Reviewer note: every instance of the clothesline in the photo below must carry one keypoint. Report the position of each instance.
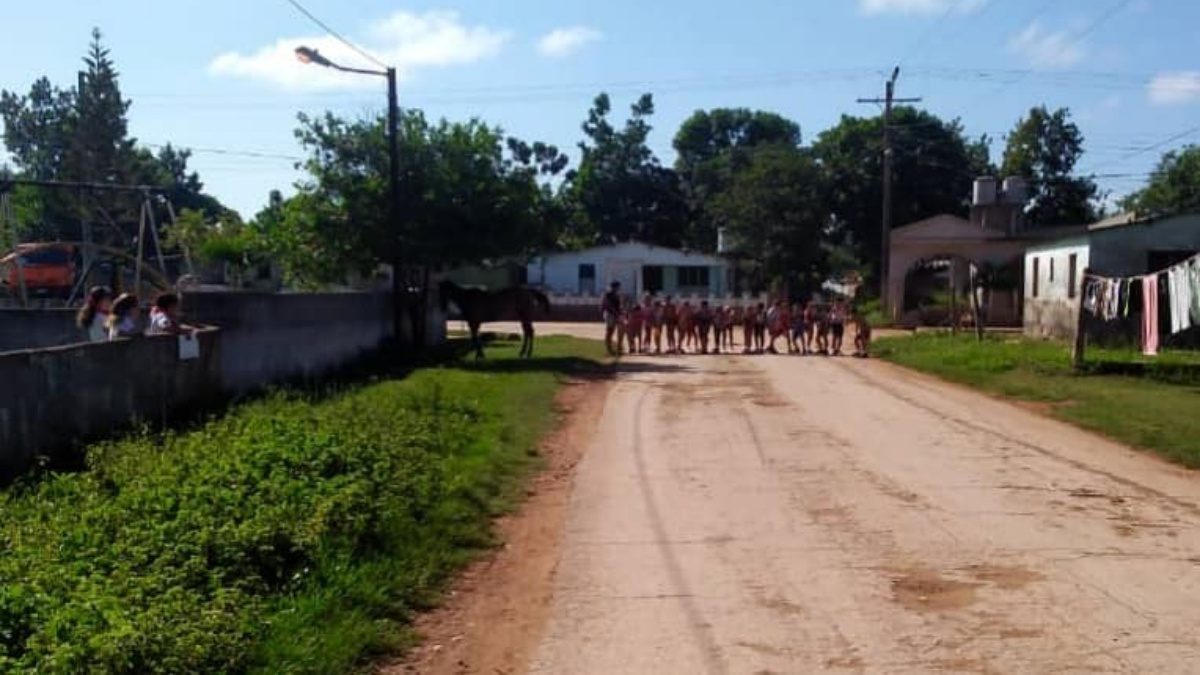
(1111, 298)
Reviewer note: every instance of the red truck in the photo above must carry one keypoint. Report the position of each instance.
(47, 269)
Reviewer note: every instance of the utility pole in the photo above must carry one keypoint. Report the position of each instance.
(888, 101)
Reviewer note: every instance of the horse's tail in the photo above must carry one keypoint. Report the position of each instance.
(541, 299)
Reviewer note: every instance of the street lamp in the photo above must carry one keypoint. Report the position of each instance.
(311, 56)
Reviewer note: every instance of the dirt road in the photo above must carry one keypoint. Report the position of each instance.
(787, 515)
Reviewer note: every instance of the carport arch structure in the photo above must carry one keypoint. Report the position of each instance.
(946, 237)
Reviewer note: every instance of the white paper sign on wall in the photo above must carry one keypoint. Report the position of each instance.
(189, 348)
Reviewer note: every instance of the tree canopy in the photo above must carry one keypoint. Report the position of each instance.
(469, 194)
(1174, 186)
(933, 167)
(712, 147)
(1044, 148)
(620, 190)
(774, 208)
(81, 134)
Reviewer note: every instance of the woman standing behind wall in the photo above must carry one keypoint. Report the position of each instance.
(123, 322)
(93, 316)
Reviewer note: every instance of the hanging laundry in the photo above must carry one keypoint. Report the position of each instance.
(1182, 294)
(1193, 271)
(1150, 315)
(1126, 297)
(1178, 302)
(1173, 305)
(1113, 305)
(1091, 295)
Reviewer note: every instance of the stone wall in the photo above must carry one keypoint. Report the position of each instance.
(56, 398)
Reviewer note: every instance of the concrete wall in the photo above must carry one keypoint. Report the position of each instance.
(56, 398)
(1125, 251)
(37, 328)
(269, 337)
(1052, 312)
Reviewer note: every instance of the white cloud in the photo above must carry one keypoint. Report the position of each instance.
(563, 42)
(1175, 88)
(1044, 48)
(410, 42)
(874, 7)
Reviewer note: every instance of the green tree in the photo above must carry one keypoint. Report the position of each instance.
(933, 164)
(712, 146)
(775, 209)
(621, 191)
(1174, 186)
(81, 134)
(1044, 148)
(468, 194)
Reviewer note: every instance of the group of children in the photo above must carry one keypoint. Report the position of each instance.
(104, 317)
(660, 326)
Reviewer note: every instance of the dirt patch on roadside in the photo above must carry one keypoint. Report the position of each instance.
(494, 614)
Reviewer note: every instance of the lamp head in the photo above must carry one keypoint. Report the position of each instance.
(310, 55)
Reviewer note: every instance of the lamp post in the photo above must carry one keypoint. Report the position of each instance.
(312, 56)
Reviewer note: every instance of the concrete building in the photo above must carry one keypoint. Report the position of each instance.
(641, 268)
(994, 237)
(1121, 246)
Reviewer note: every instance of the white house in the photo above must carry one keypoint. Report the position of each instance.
(1121, 246)
(641, 268)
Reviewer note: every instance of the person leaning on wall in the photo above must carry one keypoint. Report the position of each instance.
(123, 320)
(164, 317)
(93, 316)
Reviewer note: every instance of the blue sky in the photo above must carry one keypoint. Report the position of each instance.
(218, 75)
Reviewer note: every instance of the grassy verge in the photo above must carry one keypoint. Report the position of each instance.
(1146, 403)
(292, 535)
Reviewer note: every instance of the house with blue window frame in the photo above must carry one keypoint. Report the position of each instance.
(640, 268)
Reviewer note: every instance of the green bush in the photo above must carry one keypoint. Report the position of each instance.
(282, 537)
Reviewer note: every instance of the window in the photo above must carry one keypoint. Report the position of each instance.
(587, 279)
(693, 277)
(1072, 276)
(46, 256)
(652, 278)
(1037, 268)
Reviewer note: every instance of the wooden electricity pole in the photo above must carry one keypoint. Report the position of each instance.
(889, 99)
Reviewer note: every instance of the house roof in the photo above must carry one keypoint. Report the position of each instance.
(944, 227)
(1118, 220)
(641, 248)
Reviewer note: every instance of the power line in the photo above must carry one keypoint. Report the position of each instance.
(231, 153)
(1154, 146)
(336, 35)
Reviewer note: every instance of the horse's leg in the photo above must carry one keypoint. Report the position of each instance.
(474, 325)
(527, 329)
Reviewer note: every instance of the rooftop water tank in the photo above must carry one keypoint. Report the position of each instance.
(1016, 191)
(985, 191)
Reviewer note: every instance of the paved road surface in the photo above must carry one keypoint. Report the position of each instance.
(787, 515)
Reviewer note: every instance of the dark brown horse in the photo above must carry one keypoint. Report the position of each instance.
(480, 307)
